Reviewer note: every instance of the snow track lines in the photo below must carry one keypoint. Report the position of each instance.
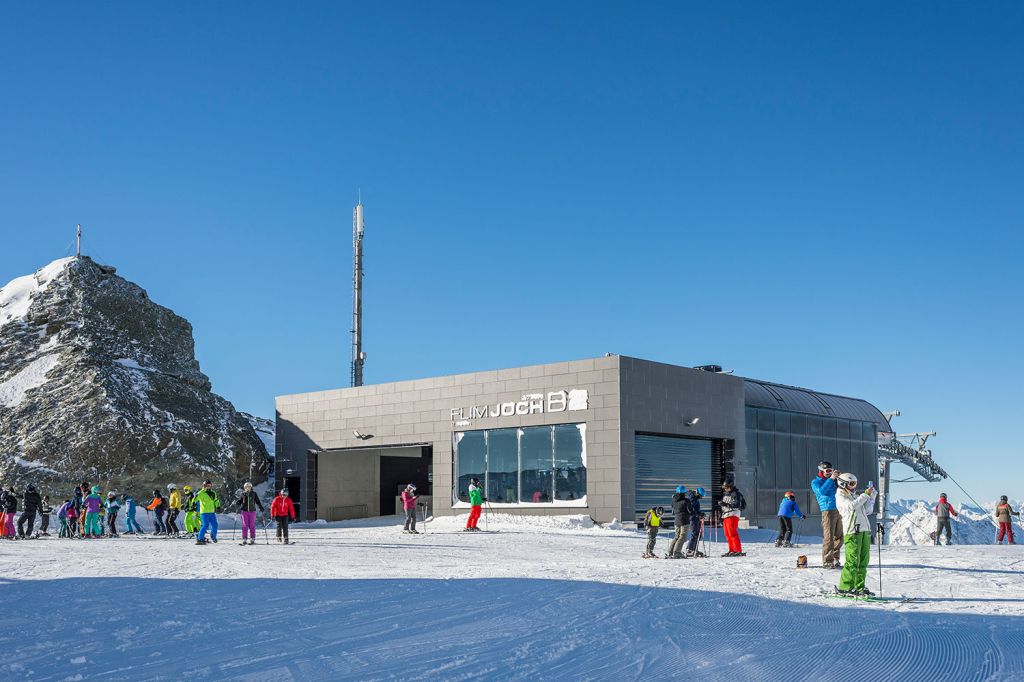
(492, 628)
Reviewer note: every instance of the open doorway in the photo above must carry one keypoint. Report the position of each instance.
(398, 472)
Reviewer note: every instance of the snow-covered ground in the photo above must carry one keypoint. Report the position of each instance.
(549, 598)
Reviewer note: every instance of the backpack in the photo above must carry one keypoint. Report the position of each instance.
(163, 504)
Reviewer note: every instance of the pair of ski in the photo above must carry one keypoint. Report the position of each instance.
(871, 598)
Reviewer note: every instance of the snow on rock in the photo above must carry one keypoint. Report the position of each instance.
(914, 522)
(32, 375)
(98, 382)
(17, 295)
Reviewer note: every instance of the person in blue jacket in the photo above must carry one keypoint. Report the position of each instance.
(131, 526)
(824, 487)
(787, 510)
(696, 521)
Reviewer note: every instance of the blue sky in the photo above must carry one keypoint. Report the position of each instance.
(828, 197)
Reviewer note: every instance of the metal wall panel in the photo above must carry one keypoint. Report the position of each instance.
(664, 462)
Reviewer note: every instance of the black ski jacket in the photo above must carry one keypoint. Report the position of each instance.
(10, 503)
(249, 501)
(681, 509)
(33, 500)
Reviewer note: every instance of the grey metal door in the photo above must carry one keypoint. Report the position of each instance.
(664, 462)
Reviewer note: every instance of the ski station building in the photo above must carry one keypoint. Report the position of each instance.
(609, 437)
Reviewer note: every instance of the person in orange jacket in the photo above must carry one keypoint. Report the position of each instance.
(282, 510)
(158, 506)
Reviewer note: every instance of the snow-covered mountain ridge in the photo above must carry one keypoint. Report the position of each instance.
(914, 521)
(98, 382)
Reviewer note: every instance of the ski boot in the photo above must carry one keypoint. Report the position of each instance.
(201, 541)
(787, 544)
(864, 592)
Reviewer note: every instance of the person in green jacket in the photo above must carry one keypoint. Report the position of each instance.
(208, 504)
(188, 503)
(476, 500)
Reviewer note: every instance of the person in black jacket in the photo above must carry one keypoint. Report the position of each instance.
(247, 503)
(44, 516)
(28, 518)
(696, 522)
(681, 520)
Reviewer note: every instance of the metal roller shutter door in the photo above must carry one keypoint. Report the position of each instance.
(663, 462)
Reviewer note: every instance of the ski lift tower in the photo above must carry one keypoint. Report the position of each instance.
(358, 356)
(908, 449)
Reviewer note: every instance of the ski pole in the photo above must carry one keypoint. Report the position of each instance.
(234, 525)
(263, 518)
(423, 508)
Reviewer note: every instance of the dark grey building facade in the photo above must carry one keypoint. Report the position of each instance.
(609, 437)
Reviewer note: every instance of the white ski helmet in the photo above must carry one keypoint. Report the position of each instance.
(247, 486)
(171, 486)
(848, 480)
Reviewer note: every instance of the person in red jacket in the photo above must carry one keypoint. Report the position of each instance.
(942, 511)
(409, 498)
(282, 510)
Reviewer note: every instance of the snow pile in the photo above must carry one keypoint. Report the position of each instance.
(16, 296)
(914, 521)
(33, 375)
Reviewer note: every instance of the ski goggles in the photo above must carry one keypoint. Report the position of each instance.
(827, 472)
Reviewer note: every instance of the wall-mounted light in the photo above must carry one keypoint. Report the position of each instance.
(361, 436)
(692, 421)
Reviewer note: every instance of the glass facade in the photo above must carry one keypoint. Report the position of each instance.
(534, 464)
(787, 446)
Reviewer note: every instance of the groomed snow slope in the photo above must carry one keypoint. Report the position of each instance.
(541, 599)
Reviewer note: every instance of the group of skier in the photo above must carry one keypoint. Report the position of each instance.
(88, 514)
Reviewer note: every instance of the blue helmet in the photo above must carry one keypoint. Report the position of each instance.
(700, 492)
(681, 489)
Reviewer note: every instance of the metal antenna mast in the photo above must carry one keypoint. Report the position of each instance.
(358, 356)
(79, 240)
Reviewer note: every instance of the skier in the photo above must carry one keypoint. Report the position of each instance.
(76, 500)
(112, 506)
(681, 520)
(942, 511)
(81, 509)
(854, 510)
(28, 517)
(247, 505)
(409, 498)
(44, 516)
(1003, 513)
(476, 502)
(173, 509)
(652, 522)
(191, 515)
(208, 504)
(282, 510)
(158, 506)
(731, 504)
(131, 526)
(10, 508)
(824, 487)
(696, 522)
(3, 513)
(64, 515)
(788, 508)
(92, 505)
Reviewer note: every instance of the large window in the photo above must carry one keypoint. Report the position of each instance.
(530, 465)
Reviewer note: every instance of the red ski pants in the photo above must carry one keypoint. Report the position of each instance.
(730, 524)
(474, 516)
(1005, 529)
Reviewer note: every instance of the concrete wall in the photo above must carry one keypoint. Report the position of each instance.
(659, 398)
(419, 412)
(348, 478)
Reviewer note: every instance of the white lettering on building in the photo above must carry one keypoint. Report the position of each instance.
(533, 403)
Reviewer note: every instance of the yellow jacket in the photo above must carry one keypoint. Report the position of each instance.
(175, 501)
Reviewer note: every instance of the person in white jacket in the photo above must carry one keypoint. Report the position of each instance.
(854, 510)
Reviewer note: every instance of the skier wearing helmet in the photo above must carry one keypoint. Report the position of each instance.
(158, 506)
(854, 509)
(824, 488)
(173, 509)
(191, 515)
(652, 522)
(1003, 514)
(731, 504)
(681, 520)
(409, 498)
(476, 502)
(696, 522)
(93, 503)
(788, 508)
(112, 507)
(942, 511)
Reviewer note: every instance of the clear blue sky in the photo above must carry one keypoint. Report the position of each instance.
(831, 197)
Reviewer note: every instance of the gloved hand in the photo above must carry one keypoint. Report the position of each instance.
(803, 516)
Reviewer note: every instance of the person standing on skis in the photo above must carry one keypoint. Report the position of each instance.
(787, 510)
(476, 501)
(44, 516)
(28, 517)
(93, 503)
(208, 504)
(131, 526)
(681, 521)
(64, 515)
(652, 523)
(282, 510)
(942, 512)
(247, 503)
(1003, 514)
(409, 498)
(10, 506)
(824, 488)
(731, 504)
(696, 522)
(188, 503)
(112, 507)
(158, 506)
(173, 509)
(854, 509)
